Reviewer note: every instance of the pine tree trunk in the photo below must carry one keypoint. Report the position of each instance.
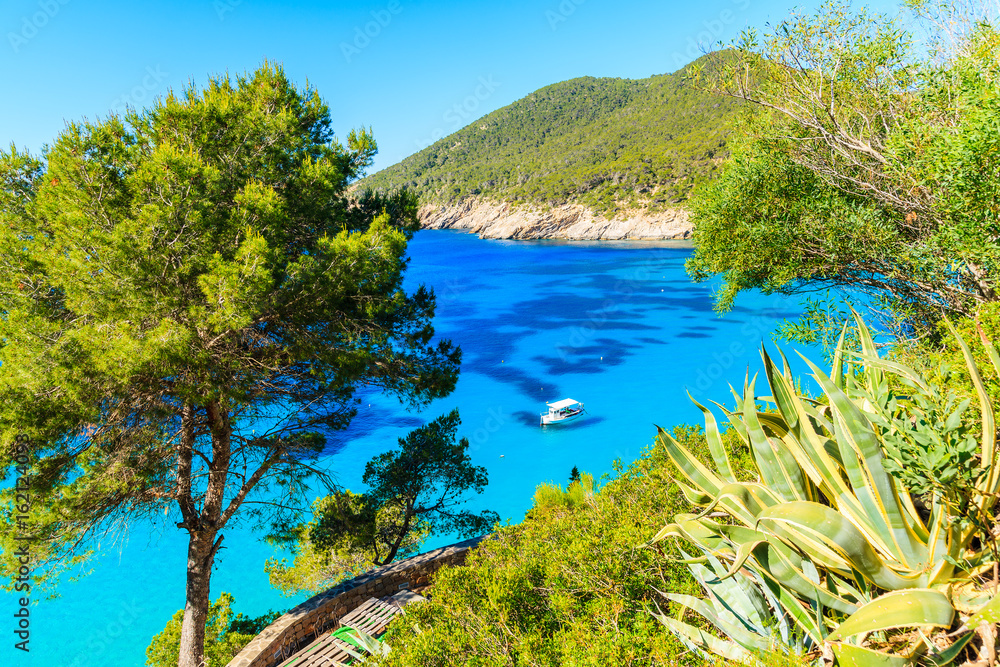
(199, 570)
(202, 544)
(403, 532)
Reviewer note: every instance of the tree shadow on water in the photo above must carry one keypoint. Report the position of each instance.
(587, 359)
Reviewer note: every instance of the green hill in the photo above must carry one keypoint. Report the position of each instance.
(605, 143)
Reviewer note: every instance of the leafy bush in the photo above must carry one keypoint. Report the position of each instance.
(570, 585)
(552, 497)
(225, 635)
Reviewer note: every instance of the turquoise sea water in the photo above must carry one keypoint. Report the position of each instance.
(618, 326)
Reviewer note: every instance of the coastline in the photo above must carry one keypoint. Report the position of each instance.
(570, 222)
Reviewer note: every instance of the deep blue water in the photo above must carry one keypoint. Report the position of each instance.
(618, 326)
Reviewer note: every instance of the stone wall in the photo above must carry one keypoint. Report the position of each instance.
(301, 625)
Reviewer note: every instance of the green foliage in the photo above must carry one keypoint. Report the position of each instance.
(605, 143)
(865, 164)
(225, 635)
(943, 355)
(173, 277)
(427, 477)
(821, 324)
(552, 497)
(567, 586)
(352, 550)
(938, 456)
(871, 512)
(414, 491)
(252, 625)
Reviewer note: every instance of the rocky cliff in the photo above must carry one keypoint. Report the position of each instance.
(495, 220)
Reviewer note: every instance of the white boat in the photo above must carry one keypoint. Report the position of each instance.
(562, 411)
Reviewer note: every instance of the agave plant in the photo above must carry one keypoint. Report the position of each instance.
(741, 606)
(862, 566)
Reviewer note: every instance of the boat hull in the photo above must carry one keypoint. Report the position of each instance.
(548, 420)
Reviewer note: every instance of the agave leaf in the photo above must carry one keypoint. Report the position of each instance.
(698, 531)
(773, 559)
(803, 442)
(775, 423)
(743, 553)
(777, 611)
(697, 474)
(369, 644)
(799, 614)
(777, 469)
(849, 655)
(715, 445)
(744, 501)
(990, 486)
(741, 600)
(837, 367)
(898, 609)
(736, 422)
(701, 642)
(989, 613)
(846, 531)
(728, 626)
(693, 495)
(945, 539)
(782, 390)
(847, 588)
(873, 486)
(875, 361)
(875, 376)
(828, 538)
(783, 567)
(950, 654)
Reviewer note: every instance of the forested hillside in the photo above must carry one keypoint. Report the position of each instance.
(605, 143)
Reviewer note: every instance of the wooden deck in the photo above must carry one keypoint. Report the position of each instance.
(372, 618)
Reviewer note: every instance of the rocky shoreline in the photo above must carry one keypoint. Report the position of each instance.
(498, 220)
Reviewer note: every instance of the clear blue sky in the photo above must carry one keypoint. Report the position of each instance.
(414, 70)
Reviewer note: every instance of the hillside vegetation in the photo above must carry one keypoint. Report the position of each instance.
(605, 143)
(570, 585)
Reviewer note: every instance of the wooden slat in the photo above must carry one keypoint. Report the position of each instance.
(325, 651)
(372, 618)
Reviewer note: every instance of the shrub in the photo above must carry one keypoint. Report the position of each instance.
(225, 635)
(570, 585)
